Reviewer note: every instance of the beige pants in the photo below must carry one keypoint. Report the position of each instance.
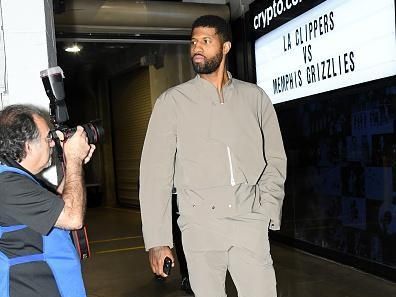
(251, 271)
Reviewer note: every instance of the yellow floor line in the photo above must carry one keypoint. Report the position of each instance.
(115, 239)
(121, 250)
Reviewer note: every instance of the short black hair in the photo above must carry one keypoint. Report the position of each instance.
(17, 126)
(213, 21)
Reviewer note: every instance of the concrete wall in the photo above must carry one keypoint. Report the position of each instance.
(29, 47)
(29, 43)
(176, 68)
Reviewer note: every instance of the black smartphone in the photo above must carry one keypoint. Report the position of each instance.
(167, 265)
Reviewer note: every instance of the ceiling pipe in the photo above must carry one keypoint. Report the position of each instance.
(130, 17)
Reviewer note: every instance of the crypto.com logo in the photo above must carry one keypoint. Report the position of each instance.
(262, 19)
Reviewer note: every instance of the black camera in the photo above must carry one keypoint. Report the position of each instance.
(53, 84)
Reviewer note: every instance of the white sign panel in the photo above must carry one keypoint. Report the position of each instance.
(2, 56)
(336, 44)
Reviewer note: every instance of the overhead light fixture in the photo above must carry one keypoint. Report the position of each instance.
(73, 49)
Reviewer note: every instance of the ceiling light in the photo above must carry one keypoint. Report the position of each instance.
(73, 49)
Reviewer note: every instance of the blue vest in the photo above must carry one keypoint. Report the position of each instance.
(58, 252)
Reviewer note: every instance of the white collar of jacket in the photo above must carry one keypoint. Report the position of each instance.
(229, 83)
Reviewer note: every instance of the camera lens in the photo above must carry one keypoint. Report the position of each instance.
(94, 131)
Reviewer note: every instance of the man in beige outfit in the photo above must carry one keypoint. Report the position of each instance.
(217, 140)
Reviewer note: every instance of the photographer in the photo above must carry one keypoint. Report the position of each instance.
(37, 256)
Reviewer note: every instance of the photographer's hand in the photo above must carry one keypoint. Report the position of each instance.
(76, 148)
(61, 137)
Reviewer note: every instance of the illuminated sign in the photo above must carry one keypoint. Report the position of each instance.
(263, 18)
(334, 45)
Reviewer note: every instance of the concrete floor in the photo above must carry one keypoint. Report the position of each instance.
(119, 266)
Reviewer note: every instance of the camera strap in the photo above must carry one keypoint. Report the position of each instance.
(80, 240)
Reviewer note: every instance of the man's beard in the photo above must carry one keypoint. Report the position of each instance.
(209, 65)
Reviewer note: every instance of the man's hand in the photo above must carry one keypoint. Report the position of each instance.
(76, 148)
(92, 147)
(157, 256)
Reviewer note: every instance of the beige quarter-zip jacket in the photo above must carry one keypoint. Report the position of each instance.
(226, 160)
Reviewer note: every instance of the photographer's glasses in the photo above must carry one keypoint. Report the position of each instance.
(49, 137)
